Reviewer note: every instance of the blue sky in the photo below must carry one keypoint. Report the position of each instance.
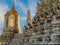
(21, 6)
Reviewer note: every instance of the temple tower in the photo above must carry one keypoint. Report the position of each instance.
(12, 20)
(11, 25)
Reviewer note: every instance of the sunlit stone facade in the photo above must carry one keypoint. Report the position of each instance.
(44, 28)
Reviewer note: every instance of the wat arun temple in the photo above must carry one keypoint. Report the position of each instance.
(43, 29)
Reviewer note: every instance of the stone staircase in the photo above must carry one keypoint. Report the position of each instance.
(17, 39)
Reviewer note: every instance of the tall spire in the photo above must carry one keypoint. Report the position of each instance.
(41, 1)
(28, 16)
(37, 4)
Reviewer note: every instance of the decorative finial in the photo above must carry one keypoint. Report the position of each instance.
(42, 1)
(13, 7)
(37, 3)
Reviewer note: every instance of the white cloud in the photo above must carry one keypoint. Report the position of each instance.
(21, 5)
(23, 18)
(32, 7)
(3, 10)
